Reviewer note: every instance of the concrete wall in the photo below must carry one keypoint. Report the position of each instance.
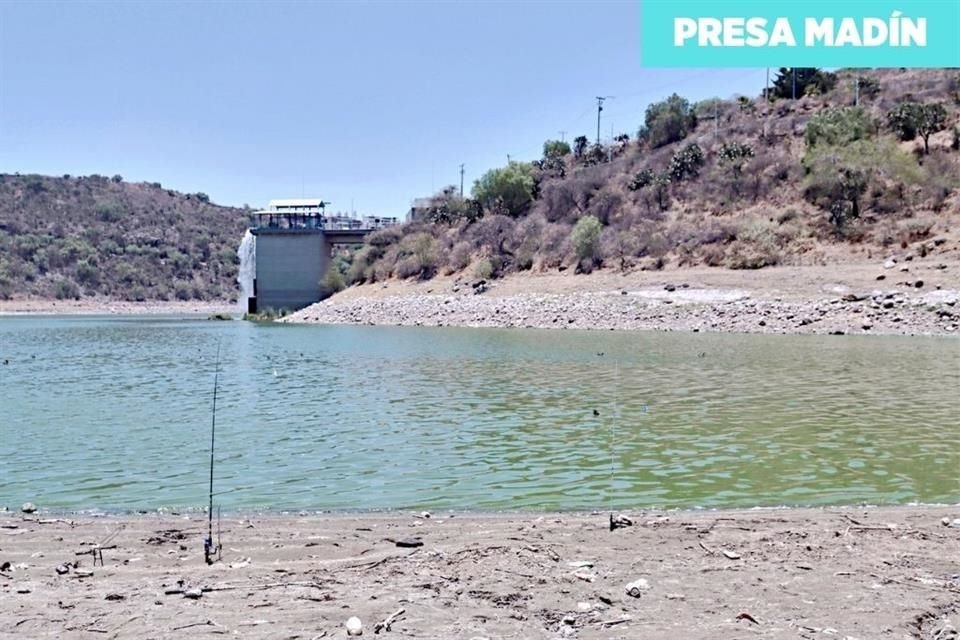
(290, 266)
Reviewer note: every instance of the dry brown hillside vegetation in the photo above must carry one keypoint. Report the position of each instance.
(740, 183)
(69, 237)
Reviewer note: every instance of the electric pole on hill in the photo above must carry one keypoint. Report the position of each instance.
(461, 180)
(563, 135)
(600, 100)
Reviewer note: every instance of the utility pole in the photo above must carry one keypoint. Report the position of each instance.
(794, 83)
(562, 136)
(600, 100)
(856, 88)
(508, 158)
(461, 180)
(766, 91)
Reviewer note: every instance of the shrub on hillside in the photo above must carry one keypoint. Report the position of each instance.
(837, 126)
(686, 163)
(585, 238)
(67, 290)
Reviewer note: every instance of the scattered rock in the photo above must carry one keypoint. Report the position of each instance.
(918, 284)
(28, 507)
(881, 277)
(409, 543)
(854, 297)
(62, 569)
(670, 287)
(115, 597)
(637, 588)
(194, 594)
(620, 521)
(731, 555)
(580, 564)
(354, 626)
(890, 264)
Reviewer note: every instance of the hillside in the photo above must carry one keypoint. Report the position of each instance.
(71, 237)
(743, 183)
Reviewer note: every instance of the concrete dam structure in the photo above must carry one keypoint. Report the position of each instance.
(294, 242)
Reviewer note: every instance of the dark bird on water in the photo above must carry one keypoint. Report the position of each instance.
(600, 353)
(595, 412)
(702, 354)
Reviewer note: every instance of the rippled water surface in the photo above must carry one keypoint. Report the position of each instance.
(114, 413)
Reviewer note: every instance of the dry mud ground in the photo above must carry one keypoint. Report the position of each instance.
(791, 573)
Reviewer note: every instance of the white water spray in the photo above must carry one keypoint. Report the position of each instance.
(248, 268)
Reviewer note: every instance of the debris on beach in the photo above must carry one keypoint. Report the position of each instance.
(384, 625)
(28, 507)
(637, 588)
(619, 521)
(354, 626)
(409, 543)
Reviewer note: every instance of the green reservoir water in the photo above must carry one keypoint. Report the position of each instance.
(114, 413)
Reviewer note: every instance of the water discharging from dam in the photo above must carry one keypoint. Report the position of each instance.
(248, 268)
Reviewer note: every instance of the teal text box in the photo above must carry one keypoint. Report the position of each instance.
(941, 48)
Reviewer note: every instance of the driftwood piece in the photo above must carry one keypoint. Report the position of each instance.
(384, 625)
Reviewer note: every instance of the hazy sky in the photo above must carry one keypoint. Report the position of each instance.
(371, 102)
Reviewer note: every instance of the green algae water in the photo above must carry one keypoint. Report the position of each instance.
(114, 414)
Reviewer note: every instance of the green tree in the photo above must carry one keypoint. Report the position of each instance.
(839, 125)
(808, 80)
(910, 119)
(555, 149)
(509, 189)
(668, 121)
(580, 146)
(585, 238)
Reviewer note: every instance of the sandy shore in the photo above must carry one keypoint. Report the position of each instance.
(904, 298)
(834, 573)
(103, 306)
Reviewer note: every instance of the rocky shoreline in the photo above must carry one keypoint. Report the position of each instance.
(668, 308)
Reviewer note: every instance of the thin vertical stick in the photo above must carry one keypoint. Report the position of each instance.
(613, 426)
(208, 547)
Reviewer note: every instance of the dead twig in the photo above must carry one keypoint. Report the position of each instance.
(208, 623)
(706, 548)
(610, 623)
(384, 625)
(377, 563)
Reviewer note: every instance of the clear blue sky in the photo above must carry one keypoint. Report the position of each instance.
(374, 102)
